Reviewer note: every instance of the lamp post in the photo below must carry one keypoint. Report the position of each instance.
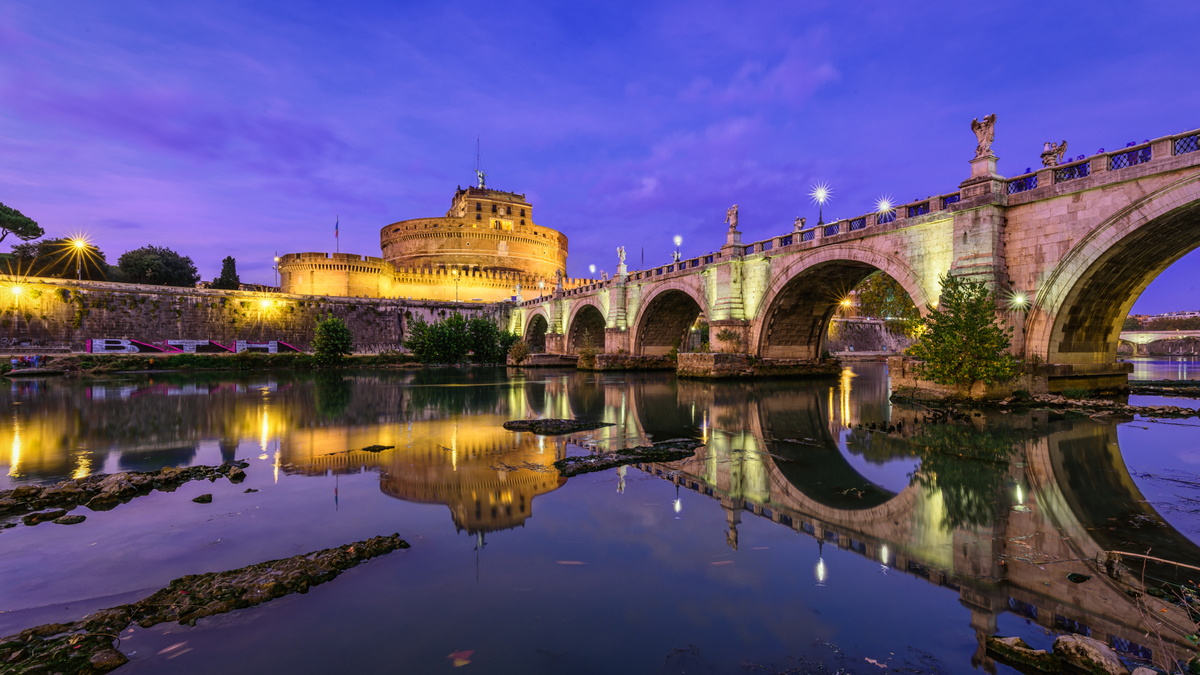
(820, 194)
(678, 242)
(276, 268)
(454, 273)
(79, 245)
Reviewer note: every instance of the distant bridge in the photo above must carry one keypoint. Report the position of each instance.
(1145, 337)
(1067, 248)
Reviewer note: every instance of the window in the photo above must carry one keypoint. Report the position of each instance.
(478, 216)
(478, 206)
(522, 222)
(522, 213)
(508, 210)
(493, 208)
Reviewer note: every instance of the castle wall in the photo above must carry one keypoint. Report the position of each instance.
(60, 313)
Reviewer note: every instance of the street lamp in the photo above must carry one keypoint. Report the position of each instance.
(276, 268)
(820, 194)
(79, 245)
(678, 242)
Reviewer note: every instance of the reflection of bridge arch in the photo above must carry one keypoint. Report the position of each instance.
(1081, 303)
(586, 323)
(666, 313)
(794, 316)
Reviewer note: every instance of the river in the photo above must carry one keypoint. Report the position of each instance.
(799, 539)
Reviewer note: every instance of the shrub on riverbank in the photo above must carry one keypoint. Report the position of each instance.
(332, 341)
(453, 338)
(961, 341)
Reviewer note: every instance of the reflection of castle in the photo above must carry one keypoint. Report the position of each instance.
(485, 245)
(486, 475)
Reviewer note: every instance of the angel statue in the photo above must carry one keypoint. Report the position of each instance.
(731, 217)
(1052, 153)
(985, 133)
(558, 279)
(799, 224)
(518, 289)
(481, 176)
(621, 254)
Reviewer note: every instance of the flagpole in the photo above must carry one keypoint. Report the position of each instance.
(337, 243)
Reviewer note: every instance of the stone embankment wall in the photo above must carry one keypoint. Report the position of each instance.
(55, 313)
(864, 335)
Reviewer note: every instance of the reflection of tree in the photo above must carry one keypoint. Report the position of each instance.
(334, 393)
(877, 447)
(434, 389)
(967, 466)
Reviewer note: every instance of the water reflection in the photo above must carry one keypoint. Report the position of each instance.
(999, 508)
(1164, 367)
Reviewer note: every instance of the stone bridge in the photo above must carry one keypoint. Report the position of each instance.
(1145, 337)
(1067, 249)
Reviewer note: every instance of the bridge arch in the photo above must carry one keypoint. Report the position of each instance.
(794, 316)
(666, 313)
(536, 326)
(1079, 307)
(586, 324)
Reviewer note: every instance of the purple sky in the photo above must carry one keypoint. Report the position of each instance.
(244, 128)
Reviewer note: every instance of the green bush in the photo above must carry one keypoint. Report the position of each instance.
(961, 341)
(519, 351)
(451, 339)
(332, 341)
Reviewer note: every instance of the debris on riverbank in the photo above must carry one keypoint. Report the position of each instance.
(1099, 406)
(1076, 651)
(551, 427)
(1177, 388)
(664, 451)
(102, 492)
(86, 646)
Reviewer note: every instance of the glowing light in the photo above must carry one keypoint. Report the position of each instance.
(17, 290)
(678, 240)
(845, 302)
(822, 573)
(678, 505)
(266, 428)
(14, 462)
(264, 303)
(884, 205)
(1020, 494)
(1019, 300)
(83, 465)
(79, 244)
(704, 428)
(821, 193)
(592, 269)
(883, 554)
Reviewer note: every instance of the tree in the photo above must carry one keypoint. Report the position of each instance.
(882, 297)
(332, 341)
(229, 277)
(1131, 323)
(58, 259)
(961, 342)
(14, 222)
(157, 265)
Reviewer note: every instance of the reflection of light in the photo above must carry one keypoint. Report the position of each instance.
(704, 428)
(262, 441)
(83, 466)
(822, 574)
(1020, 494)
(845, 397)
(678, 505)
(883, 554)
(454, 447)
(14, 464)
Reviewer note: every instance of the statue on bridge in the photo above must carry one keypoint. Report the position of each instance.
(799, 224)
(731, 217)
(621, 255)
(985, 133)
(1052, 153)
(558, 280)
(482, 178)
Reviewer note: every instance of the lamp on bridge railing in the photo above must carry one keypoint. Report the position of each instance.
(884, 204)
(820, 194)
(678, 242)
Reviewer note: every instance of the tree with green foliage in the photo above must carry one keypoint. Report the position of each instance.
(1131, 323)
(228, 280)
(157, 265)
(451, 339)
(58, 259)
(1175, 323)
(18, 224)
(961, 341)
(882, 297)
(332, 342)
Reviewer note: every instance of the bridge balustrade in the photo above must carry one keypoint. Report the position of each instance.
(1122, 160)
(1022, 184)
(785, 240)
(1072, 172)
(951, 199)
(1187, 144)
(831, 230)
(858, 223)
(918, 210)
(808, 235)
(767, 245)
(885, 217)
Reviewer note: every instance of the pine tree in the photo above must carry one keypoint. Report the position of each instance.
(961, 342)
(229, 277)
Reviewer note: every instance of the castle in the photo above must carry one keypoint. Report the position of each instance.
(484, 249)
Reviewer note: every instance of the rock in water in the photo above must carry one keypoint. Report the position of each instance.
(1014, 651)
(43, 517)
(70, 520)
(664, 451)
(107, 659)
(1093, 656)
(203, 499)
(547, 427)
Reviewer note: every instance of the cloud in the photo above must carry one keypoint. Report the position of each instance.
(791, 81)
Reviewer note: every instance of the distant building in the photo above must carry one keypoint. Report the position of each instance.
(485, 245)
